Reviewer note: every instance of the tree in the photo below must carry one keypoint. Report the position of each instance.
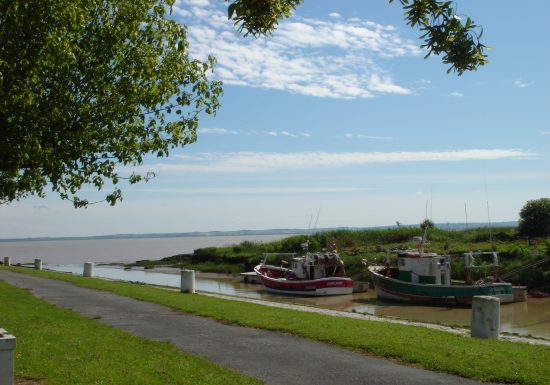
(534, 218)
(427, 224)
(443, 31)
(89, 85)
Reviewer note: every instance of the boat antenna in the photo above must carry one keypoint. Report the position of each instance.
(488, 212)
(317, 219)
(466, 215)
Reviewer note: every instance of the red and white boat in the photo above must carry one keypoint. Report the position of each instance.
(315, 274)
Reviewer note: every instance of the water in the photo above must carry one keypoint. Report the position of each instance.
(526, 318)
(117, 250)
(531, 317)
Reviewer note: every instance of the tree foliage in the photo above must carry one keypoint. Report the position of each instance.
(89, 85)
(443, 31)
(534, 218)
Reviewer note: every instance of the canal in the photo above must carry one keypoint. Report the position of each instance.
(531, 317)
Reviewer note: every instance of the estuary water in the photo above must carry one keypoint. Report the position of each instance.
(117, 250)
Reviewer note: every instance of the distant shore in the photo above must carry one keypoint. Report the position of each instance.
(448, 226)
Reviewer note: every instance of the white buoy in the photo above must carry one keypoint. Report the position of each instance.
(7, 347)
(88, 269)
(38, 264)
(7, 261)
(485, 317)
(187, 281)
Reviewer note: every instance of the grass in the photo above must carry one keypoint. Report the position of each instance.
(59, 347)
(486, 360)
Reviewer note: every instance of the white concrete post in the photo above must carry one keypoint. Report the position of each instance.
(38, 264)
(88, 269)
(7, 346)
(7, 261)
(187, 281)
(485, 317)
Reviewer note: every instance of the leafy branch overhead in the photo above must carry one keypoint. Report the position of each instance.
(443, 31)
(89, 86)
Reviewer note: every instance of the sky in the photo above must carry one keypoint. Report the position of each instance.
(338, 120)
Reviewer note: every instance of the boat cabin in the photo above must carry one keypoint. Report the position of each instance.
(423, 268)
(316, 265)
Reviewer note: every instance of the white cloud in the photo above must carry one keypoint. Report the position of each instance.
(250, 162)
(521, 84)
(272, 133)
(546, 133)
(219, 131)
(335, 15)
(456, 94)
(335, 58)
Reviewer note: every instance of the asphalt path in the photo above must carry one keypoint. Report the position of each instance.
(272, 357)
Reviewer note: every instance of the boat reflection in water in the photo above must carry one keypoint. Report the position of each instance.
(529, 317)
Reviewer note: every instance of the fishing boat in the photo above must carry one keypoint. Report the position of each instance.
(314, 274)
(424, 277)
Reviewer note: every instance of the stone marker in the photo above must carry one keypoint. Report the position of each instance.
(7, 261)
(485, 317)
(187, 281)
(38, 264)
(7, 346)
(88, 269)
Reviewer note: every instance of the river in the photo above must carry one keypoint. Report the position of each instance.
(530, 317)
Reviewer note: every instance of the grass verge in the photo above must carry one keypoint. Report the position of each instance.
(486, 360)
(60, 347)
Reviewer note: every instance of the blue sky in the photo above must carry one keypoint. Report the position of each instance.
(338, 113)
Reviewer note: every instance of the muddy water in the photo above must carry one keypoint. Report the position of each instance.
(526, 318)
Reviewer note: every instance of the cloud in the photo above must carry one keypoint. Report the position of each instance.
(521, 84)
(334, 15)
(456, 94)
(546, 133)
(288, 134)
(251, 162)
(218, 131)
(332, 58)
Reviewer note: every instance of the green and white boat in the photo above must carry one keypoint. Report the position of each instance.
(422, 277)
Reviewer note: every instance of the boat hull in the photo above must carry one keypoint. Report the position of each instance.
(315, 287)
(396, 290)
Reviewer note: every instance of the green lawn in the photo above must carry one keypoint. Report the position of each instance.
(487, 360)
(59, 347)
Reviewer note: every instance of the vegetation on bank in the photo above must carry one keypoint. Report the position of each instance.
(486, 360)
(60, 347)
(355, 245)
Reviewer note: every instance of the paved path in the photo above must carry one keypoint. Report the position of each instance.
(271, 357)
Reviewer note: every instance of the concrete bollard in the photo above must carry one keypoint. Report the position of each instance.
(38, 264)
(88, 269)
(485, 317)
(187, 281)
(7, 261)
(7, 347)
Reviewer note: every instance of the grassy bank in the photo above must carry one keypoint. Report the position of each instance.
(487, 360)
(59, 347)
